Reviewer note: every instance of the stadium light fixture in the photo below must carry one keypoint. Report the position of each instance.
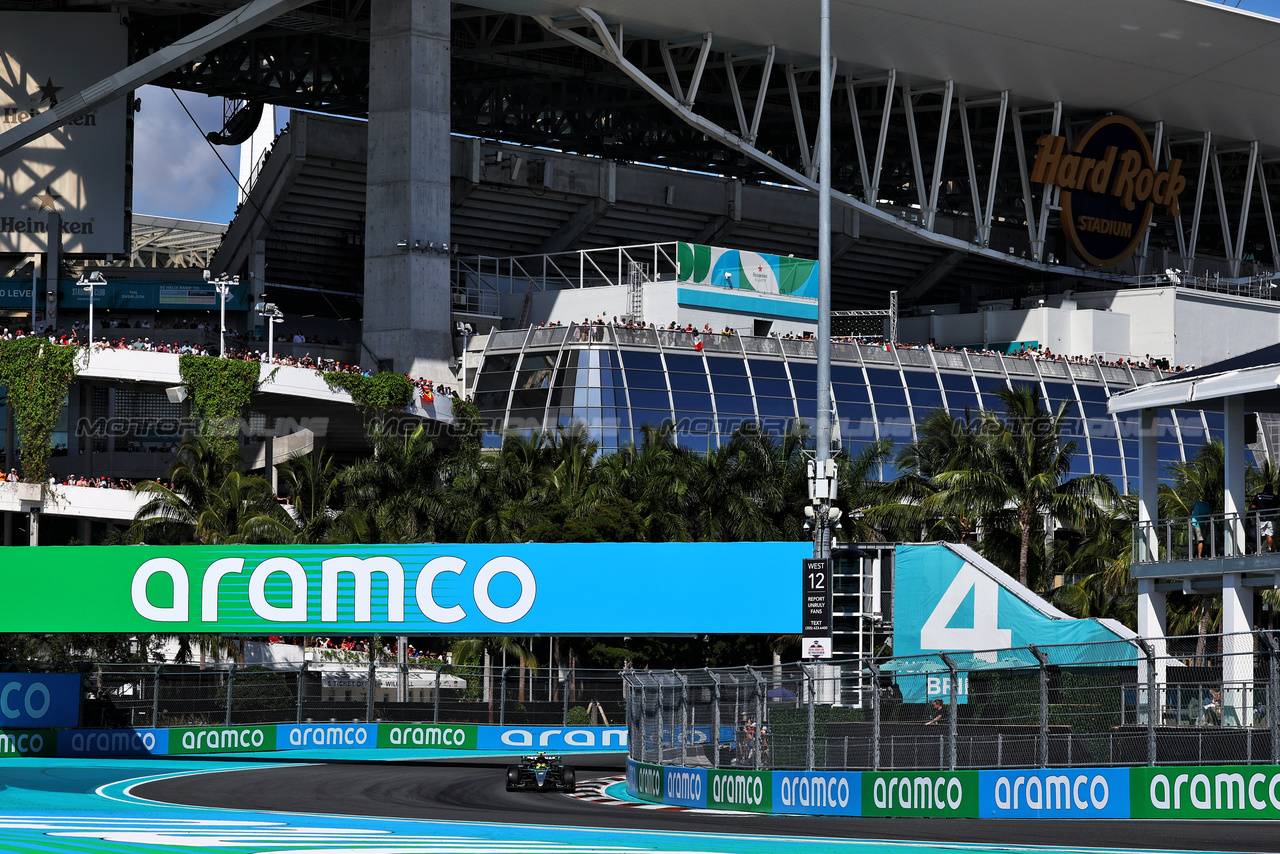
(88, 283)
(222, 285)
(271, 313)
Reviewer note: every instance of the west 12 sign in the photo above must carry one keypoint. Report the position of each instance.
(1110, 187)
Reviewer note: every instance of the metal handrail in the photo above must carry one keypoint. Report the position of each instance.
(1208, 537)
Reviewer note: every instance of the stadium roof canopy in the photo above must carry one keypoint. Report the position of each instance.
(1197, 65)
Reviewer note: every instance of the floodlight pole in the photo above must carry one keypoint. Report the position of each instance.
(88, 283)
(822, 522)
(223, 289)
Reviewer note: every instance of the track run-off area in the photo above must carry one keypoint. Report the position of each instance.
(458, 804)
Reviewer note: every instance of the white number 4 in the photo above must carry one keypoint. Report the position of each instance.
(937, 634)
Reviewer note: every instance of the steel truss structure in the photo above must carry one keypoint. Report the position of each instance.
(938, 160)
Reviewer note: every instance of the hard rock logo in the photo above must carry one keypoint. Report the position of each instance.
(1110, 188)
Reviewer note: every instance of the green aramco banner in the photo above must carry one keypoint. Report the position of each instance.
(589, 588)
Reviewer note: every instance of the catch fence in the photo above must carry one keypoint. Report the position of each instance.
(192, 695)
(1179, 700)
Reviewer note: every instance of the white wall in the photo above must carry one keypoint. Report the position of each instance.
(1191, 327)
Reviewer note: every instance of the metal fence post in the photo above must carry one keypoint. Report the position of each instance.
(809, 734)
(954, 709)
(231, 678)
(1150, 653)
(761, 690)
(368, 700)
(875, 715)
(1273, 695)
(715, 719)
(302, 684)
(155, 695)
(565, 696)
(502, 699)
(1044, 704)
(660, 732)
(435, 712)
(684, 718)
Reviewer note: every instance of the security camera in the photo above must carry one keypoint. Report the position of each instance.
(208, 276)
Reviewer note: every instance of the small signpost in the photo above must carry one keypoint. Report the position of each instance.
(815, 622)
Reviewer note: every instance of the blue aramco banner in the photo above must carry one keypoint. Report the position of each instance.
(526, 589)
(29, 700)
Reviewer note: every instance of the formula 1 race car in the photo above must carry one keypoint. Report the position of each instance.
(540, 773)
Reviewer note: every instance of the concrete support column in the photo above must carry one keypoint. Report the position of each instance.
(1148, 487)
(1237, 651)
(257, 288)
(406, 290)
(84, 531)
(1234, 502)
(1152, 616)
(33, 526)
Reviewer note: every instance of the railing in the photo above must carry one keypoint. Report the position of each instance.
(1200, 699)
(580, 269)
(1207, 537)
(339, 689)
(1260, 286)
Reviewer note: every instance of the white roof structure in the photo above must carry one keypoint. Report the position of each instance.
(1194, 64)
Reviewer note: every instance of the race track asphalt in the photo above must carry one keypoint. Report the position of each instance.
(474, 790)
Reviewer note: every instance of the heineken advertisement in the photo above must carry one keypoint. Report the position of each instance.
(574, 588)
(747, 271)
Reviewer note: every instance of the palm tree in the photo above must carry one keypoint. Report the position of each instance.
(1029, 468)
(311, 482)
(209, 501)
(397, 491)
(487, 649)
(919, 506)
(656, 477)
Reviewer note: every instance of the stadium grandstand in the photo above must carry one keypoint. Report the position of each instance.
(607, 214)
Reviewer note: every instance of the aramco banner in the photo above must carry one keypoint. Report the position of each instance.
(747, 271)
(573, 588)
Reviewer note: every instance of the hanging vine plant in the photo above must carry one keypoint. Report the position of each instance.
(381, 394)
(219, 391)
(36, 373)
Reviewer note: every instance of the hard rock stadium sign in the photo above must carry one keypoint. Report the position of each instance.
(1110, 188)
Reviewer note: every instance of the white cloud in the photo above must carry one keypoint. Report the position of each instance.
(175, 171)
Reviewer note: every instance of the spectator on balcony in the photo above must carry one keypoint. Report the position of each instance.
(1199, 515)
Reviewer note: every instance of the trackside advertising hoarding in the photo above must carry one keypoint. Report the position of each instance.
(1054, 793)
(575, 588)
(1232, 792)
(1206, 792)
(39, 700)
(312, 737)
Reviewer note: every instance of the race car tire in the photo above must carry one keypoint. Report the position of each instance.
(569, 784)
(513, 778)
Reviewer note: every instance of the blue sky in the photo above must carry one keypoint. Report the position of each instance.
(176, 173)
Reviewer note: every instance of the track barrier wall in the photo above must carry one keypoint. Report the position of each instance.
(205, 741)
(1241, 792)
